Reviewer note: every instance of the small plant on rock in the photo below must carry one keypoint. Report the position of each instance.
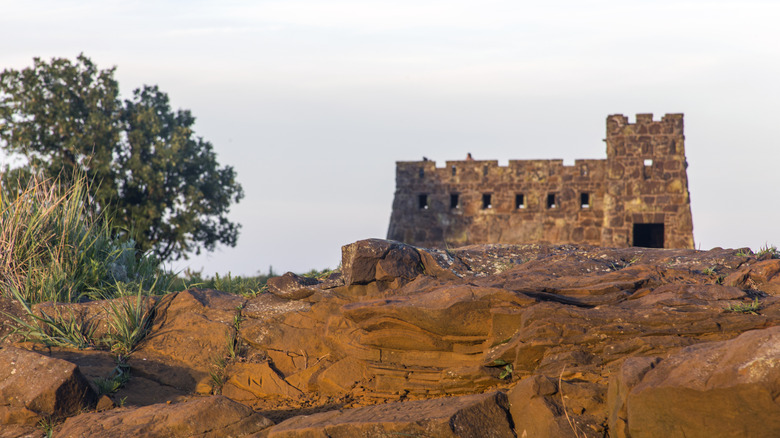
(506, 372)
(767, 249)
(55, 329)
(47, 425)
(218, 375)
(118, 378)
(234, 343)
(751, 308)
(129, 322)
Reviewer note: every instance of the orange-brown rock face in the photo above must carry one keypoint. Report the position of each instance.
(558, 340)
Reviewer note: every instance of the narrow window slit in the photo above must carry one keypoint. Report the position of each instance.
(584, 200)
(519, 201)
(551, 200)
(422, 201)
(487, 201)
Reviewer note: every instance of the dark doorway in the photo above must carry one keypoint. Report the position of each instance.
(454, 201)
(649, 235)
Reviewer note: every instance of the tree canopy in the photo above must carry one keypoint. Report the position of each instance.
(151, 175)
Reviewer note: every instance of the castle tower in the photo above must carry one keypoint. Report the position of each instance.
(647, 183)
(637, 196)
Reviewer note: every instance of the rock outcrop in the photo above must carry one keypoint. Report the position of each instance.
(34, 386)
(214, 416)
(481, 415)
(715, 389)
(491, 340)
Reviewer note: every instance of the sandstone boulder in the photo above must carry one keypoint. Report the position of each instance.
(548, 408)
(763, 275)
(718, 389)
(191, 329)
(372, 260)
(292, 286)
(32, 384)
(214, 416)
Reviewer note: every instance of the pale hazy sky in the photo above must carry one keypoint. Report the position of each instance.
(312, 102)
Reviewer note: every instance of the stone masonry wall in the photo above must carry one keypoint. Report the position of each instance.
(639, 192)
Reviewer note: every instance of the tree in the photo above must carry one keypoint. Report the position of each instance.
(157, 182)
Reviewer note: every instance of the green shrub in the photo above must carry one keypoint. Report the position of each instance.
(55, 248)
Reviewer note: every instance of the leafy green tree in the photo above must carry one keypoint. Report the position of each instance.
(153, 177)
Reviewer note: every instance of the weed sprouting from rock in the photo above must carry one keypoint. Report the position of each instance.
(751, 308)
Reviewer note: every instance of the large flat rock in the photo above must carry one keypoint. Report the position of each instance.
(481, 415)
(717, 389)
(214, 416)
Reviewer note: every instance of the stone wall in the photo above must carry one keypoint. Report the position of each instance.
(637, 196)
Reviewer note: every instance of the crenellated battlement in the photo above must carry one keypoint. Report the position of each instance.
(640, 188)
(670, 124)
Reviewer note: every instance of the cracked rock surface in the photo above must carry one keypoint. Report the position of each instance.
(536, 340)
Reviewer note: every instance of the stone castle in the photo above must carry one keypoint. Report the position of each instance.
(638, 196)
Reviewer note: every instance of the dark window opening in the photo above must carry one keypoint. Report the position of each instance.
(551, 201)
(422, 173)
(486, 201)
(584, 200)
(422, 201)
(454, 170)
(519, 201)
(485, 171)
(649, 235)
(647, 170)
(454, 200)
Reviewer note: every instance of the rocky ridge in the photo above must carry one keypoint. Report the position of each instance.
(488, 340)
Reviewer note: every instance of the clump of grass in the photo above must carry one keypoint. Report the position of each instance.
(218, 374)
(55, 330)
(47, 425)
(129, 321)
(708, 271)
(320, 275)
(239, 285)
(752, 308)
(118, 378)
(56, 248)
(767, 249)
(234, 345)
